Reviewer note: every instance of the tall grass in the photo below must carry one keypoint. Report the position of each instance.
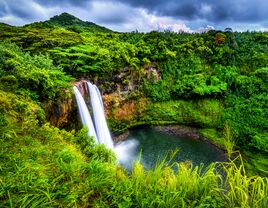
(54, 168)
(228, 139)
(243, 191)
(218, 185)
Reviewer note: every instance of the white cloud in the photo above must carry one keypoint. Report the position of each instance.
(205, 29)
(245, 26)
(12, 20)
(165, 23)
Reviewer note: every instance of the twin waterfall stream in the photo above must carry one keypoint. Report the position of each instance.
(99, 129)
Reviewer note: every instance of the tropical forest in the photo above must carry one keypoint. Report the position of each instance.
(92, 117)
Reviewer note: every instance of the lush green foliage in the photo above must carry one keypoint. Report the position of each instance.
(35, 76)
(40, 166)
(199, 113)
(195, 79)
(227, 66)
(45, 167)
(247, 109)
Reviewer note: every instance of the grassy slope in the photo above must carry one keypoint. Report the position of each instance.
(41, 165)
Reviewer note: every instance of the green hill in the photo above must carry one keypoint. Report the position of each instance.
(70, 22)
(4, 25)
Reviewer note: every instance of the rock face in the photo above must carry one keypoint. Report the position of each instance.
(111, 102)
(119, 108)
(82, 86)
(119, 96)
(60, 114)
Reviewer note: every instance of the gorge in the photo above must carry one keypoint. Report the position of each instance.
(147, 145)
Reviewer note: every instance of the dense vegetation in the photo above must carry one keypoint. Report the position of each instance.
(204, 80)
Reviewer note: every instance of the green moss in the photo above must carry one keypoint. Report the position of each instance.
(198, 113)
(213, 136)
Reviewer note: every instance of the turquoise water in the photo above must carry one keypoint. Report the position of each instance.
(150, 145)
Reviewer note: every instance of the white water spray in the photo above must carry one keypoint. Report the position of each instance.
(84, 114)
(126, 152)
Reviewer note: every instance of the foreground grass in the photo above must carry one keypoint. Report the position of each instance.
(53, 168)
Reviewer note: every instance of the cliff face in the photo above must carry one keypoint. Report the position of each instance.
(119, 108)
(125, 109)
(64, 112)
(57, 113)
(122, 101)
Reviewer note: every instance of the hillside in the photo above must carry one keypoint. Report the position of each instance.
(70, 22)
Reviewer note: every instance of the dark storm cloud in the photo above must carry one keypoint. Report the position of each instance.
(20, 8)
(3, 9)
(112, 19)
(28, 10)
(21, 11)
(144, 14)
(114, 13)
(62, 2)
(185, 10)
(211, 10)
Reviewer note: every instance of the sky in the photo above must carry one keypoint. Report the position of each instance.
(145, 15)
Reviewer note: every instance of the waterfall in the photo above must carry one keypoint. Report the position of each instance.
(124, 150)
(101, 127)
(84, 114)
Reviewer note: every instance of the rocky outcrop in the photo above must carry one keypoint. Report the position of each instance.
(121, 137)
(82, 86)
(152, 72)
(179, 131)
